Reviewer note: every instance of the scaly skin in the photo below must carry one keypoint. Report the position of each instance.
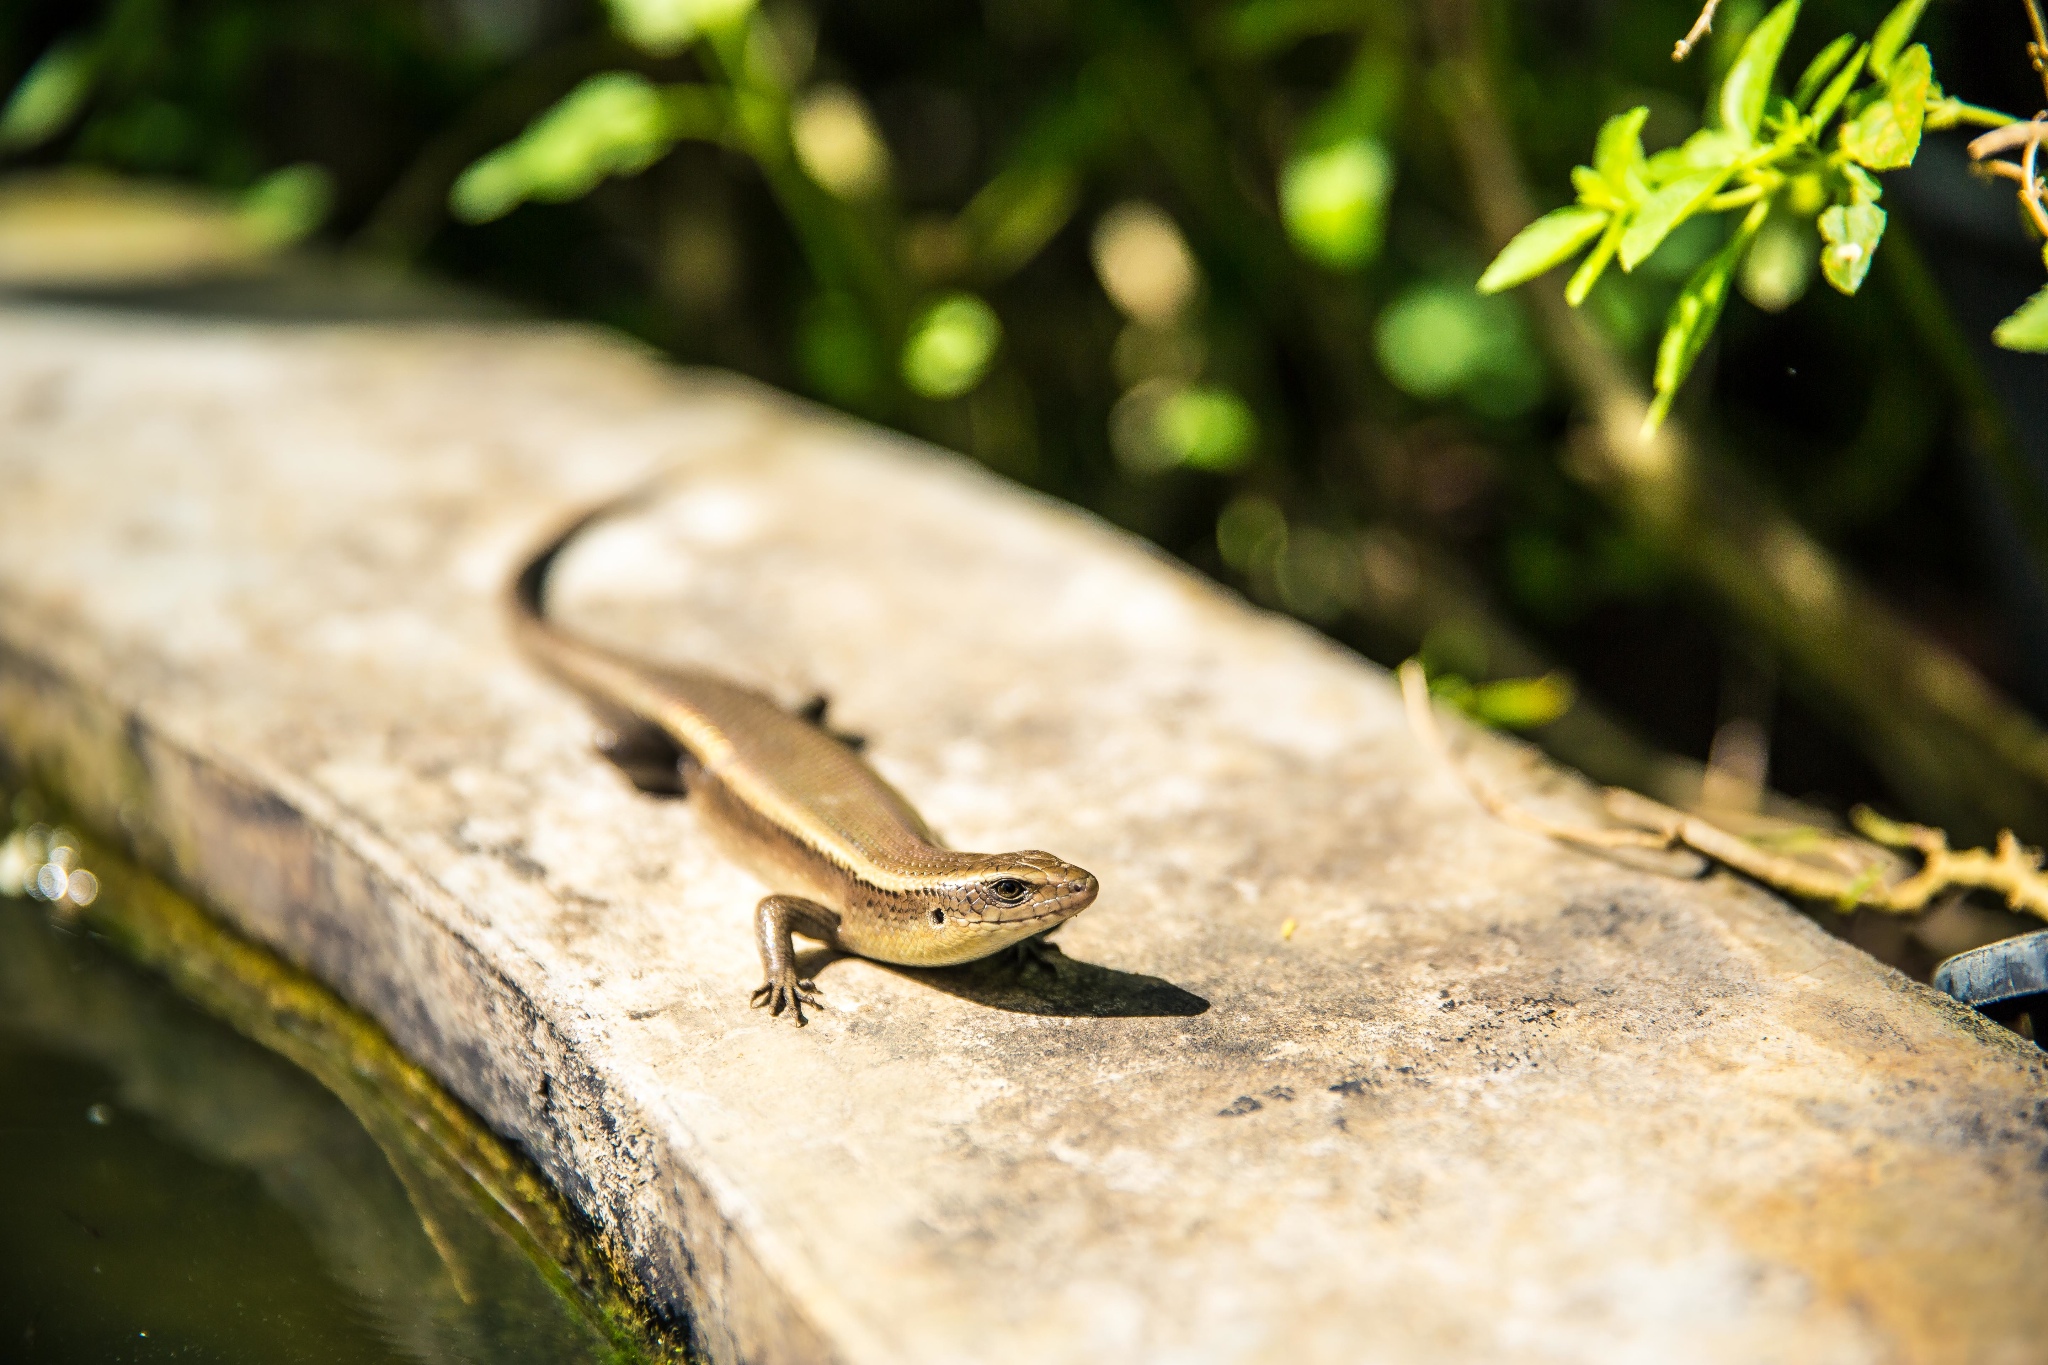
(856, 867)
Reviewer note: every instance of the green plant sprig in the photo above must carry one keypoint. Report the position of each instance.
(1857, 109)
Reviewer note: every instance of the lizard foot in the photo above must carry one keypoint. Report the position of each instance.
(785, 990)
(1037, 954)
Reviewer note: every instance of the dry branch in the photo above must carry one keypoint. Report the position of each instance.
(1865, 880)
(1700, 28)
(2027, 139)
(1422, 717)
(2037, 50)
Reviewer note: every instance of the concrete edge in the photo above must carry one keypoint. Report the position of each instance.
(255, 853)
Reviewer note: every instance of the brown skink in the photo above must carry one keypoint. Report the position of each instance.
(851, 863)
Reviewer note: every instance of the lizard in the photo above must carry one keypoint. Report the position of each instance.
(847, 858)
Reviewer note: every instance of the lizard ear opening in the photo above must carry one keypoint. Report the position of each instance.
(938, 917)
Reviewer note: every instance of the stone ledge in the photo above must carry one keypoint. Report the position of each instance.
(1491, 1098)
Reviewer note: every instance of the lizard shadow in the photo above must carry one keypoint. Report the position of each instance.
(1049, 984)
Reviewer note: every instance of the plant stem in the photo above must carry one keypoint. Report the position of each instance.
(1735, 199)
(1951, 112)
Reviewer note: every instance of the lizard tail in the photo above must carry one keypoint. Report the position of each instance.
(557, 650)
(527, 597)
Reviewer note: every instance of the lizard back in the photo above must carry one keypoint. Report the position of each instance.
(779, 768)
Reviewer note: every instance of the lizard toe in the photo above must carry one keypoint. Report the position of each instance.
(786, 993)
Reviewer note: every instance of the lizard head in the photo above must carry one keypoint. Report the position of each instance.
(992, 900)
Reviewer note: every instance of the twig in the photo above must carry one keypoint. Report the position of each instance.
(2030, 185)
(2007, 137)
(2037, 51)
(1700, 28)
(2012, 870)
(1422, 717)
(2028, 137)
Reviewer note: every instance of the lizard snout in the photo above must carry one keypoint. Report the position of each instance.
(1075, 896)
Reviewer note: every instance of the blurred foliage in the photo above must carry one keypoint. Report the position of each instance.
(1208, 268)
(613, 124)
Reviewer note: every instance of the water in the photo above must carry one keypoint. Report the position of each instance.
(171, 1190)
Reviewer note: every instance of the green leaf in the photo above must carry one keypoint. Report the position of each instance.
(840, 356)
(1432, 340)
(1665, 210)
(2026, 330)
(1780, 263)
(1706, 150)
(1441, 339)
(1748, 82)
(1206, 427)
(1520, 703)
(1509, 704)
(1838, 90)
(616, 123)
(1363, 103)
(1250, 529)
(1334, 201)
(1886, 135)
(1851, 233)
(1266, 28)
(950, 347)
(666, 27)
(1594, 266)
(1013, 216)
(1892, 34)
(286, 205)
(1820, 68)
(1545, 243)
(1619, 148)
(1695, 313)
(49, 96)
(1594, 191)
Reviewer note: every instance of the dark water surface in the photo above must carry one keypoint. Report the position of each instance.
(172, 1191)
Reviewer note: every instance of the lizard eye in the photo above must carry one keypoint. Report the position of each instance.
(1008, 889)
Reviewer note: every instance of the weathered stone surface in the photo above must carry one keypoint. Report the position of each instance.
(1493, 1099)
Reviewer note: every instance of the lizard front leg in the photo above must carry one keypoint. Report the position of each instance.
(1037, 954)
(775, 919)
